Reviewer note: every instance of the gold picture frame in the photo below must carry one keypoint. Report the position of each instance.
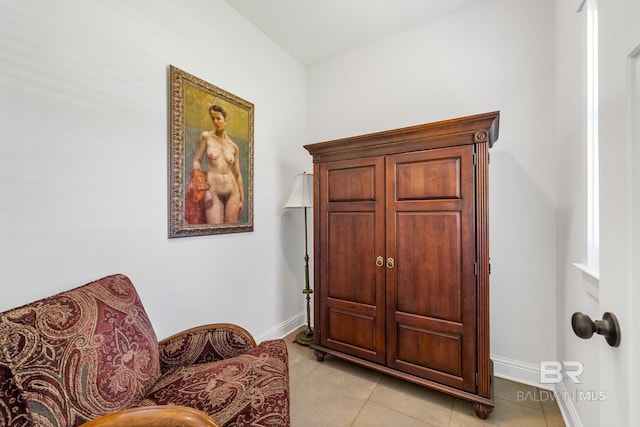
(210, 158)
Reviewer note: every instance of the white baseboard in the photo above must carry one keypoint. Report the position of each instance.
(567, 407)
(516, 370)
(284, 328)
(529, 373)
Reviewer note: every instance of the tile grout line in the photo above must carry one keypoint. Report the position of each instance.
(366, 400)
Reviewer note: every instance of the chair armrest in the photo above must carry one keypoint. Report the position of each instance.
(156, 416)
(203, 344)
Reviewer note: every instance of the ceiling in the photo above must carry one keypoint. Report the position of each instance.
(314, 30)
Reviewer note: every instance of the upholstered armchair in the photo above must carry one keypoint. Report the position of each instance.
(89, 356)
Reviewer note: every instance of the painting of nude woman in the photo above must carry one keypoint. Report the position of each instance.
(211, 159)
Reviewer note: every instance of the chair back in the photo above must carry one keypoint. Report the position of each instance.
(77, 355)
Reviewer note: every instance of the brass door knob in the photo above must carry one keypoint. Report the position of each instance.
(608, 327)
(390, 263)
(380, 261)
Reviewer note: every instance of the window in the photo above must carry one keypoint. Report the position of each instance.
(592, 266)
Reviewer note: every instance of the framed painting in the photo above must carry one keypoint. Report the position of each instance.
(210, 158)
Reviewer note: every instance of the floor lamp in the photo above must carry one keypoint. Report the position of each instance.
(302, 197)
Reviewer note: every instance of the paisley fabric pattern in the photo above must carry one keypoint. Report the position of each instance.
(202, 346)
(13, 410)
(246, 390)
(92, 350)
(77, 355)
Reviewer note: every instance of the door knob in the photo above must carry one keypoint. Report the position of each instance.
(584, 327)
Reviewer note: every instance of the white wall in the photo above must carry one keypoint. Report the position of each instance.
(83, 159)
(494, 55)
(576, 290)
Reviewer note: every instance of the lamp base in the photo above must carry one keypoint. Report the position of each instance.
(305, 337)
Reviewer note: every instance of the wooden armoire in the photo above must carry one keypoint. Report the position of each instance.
(401, 254)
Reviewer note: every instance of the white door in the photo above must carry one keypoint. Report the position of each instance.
(619, 136)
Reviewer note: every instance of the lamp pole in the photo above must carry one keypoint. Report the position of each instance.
(306, 337)
(302, 197)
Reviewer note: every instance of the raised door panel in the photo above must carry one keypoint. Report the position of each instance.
(431, 287)
(351, 240)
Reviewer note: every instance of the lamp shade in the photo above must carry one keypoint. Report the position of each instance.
(302, 193)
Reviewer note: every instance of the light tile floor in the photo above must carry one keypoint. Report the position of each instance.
(336, 393)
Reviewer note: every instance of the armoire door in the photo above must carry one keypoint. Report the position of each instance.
(352, 274)
(431, 278)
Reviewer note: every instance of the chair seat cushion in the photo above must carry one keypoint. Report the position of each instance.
(247, 390)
